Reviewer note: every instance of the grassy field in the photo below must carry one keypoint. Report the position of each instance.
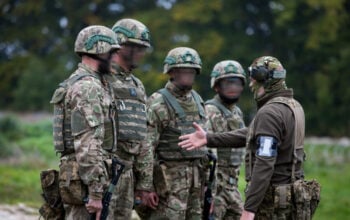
(26, 149)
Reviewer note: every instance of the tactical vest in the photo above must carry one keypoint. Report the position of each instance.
(168, 142)
(299, 133)
(229, 156)
(131, 115)
(63, 120)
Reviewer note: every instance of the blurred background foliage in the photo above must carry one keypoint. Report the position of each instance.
(310, 37)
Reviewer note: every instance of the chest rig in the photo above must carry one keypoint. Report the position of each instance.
(232, 120)
(299, 134)
(63, 120)
(130, 106)
(168, 142)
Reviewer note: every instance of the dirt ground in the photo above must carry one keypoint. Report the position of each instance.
(18, 212)
(23, 212)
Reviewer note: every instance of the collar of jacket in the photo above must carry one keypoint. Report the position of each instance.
(268, 96)
(228, 106)
(118, 70)
(178, 93)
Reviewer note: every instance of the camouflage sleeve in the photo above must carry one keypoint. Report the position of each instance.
(156, 114)
(144, 168)
(88, 132)
(144, 160)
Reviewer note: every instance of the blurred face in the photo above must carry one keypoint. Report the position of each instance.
(183, 78)
(256, 88)
(231, 87)
(130, 55)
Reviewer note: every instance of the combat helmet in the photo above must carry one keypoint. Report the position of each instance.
(132, 31)
(95, 39)
(266, 68)
(225, 69)
(182, 57)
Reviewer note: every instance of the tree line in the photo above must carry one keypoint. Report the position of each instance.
(309, 37)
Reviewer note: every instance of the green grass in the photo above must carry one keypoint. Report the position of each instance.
(20, 184)
(27, 153)
(330, 165)
(30, 150)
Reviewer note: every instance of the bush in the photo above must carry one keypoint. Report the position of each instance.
(9, 127)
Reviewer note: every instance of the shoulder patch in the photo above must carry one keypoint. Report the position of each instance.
(267, 146)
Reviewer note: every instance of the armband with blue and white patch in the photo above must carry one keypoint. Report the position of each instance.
(267, 146)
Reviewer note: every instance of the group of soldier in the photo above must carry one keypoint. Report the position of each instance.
(102, 112)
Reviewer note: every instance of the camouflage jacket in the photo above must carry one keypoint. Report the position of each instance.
(161, 118)
(220, 120)
(132, 125)
(89, 101)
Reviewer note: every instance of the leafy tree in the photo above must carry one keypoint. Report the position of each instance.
(310, 37)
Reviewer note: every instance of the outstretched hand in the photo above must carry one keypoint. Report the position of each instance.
(194, 140)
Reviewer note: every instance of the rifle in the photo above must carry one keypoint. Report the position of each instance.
(108, 194)
(208, 196)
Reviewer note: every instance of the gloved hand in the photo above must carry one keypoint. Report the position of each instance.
(146, 198)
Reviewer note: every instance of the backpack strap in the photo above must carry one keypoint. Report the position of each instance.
(171, 101)
(227, 113)
(70, 81)
(198, 101)
(299, 128)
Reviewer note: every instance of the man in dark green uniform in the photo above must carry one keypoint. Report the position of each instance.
(274, 142)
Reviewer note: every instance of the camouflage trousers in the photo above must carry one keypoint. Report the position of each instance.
(228, 203)
(184, 196)
(122, 201)
(277, 204)
(76, 212)
(121, 204)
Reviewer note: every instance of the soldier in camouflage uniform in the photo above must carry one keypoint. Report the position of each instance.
(227, 79)
(82, 120)
(274, 145)
(130, 100)
(179, 175)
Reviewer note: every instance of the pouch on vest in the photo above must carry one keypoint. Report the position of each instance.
(161, 184)
(53, 207)
(282, 196)
(58, 120)
(306, 198)
(72, 189)
(78, 123)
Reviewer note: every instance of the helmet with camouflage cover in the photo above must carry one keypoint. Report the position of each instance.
(267, 68)
(132, 31)
(95, 39)
(225, 69)
(182, 57)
